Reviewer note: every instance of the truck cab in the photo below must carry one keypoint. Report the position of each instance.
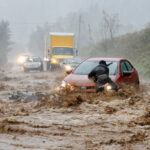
(61, 47)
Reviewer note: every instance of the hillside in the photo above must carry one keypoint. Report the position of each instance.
(133, 46)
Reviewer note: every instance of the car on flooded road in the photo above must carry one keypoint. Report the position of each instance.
(33, 63)
(120, 71)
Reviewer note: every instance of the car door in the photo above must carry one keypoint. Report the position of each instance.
(127, 72)
(133, 77)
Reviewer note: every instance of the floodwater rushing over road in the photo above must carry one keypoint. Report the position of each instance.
(112, 121)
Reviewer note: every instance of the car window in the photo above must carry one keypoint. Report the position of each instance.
(128, 65)
(29, 60)
(113, 68)
(123, 67)
(87, 66)
(36, 59)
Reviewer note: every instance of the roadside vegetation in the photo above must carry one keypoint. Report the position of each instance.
(102, 36)
(134, 46)
(89, 28)
(5, 42)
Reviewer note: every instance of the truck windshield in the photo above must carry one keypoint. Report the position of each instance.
(62, 51)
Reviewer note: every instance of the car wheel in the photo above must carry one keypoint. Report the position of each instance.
(137, 86)
(52, 68)
(41, 69)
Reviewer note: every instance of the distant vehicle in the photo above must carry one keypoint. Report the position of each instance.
(120, 71)
(61, 47)
(71, 63)
(33, 63)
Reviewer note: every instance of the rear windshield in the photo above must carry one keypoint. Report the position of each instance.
(37, 59)
(87, 66)
(72, 61)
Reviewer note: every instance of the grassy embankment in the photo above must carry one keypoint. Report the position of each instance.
(133, 46)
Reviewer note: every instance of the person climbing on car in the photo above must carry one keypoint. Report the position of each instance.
(100, 75)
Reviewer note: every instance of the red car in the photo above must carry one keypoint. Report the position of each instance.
(120, 71)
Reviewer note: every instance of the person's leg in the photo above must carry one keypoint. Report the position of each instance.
(113, 84)
(99, 87)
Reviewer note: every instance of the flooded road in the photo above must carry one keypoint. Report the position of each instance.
(114, 121)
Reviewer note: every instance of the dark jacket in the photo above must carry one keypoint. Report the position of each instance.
(99, 70)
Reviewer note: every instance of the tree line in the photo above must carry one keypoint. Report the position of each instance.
(5, 42)
(89, 27)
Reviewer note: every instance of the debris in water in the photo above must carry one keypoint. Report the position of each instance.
(1, 86)
(110, 110)
(19, 95)
(133, 99)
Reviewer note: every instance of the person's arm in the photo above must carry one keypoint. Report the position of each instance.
(91, 74)
(108, 71)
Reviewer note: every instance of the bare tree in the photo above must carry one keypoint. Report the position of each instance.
(109, 27)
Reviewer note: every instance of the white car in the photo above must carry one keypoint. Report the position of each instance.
(33, 63)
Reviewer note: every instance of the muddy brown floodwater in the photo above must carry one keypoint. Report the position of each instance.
(66, 121)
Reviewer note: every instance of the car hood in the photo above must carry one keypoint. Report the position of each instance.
(81, 80)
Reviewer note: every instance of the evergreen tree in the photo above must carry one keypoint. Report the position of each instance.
(4, 42)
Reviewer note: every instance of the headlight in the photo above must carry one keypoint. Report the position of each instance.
(68, 68)
(21, 60)
(108, 87)
(66, 86)
(46, 59)
(53, 61)
(63, 84)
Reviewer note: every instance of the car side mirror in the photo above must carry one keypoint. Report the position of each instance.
(69, 71)
(126, 73)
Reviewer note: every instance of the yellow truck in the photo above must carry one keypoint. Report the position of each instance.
(61, 47)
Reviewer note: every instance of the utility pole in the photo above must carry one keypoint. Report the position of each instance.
(45, 54)
(90, 34)
(79, 33)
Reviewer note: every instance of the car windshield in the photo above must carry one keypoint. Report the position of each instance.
(35, 59)
(62, 51)
(72, 61)
(87, 66)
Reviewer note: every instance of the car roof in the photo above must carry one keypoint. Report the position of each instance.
(106, 59)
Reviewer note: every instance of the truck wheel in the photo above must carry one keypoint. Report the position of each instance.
(52, 68)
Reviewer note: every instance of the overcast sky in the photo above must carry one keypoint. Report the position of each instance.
(25, 15)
